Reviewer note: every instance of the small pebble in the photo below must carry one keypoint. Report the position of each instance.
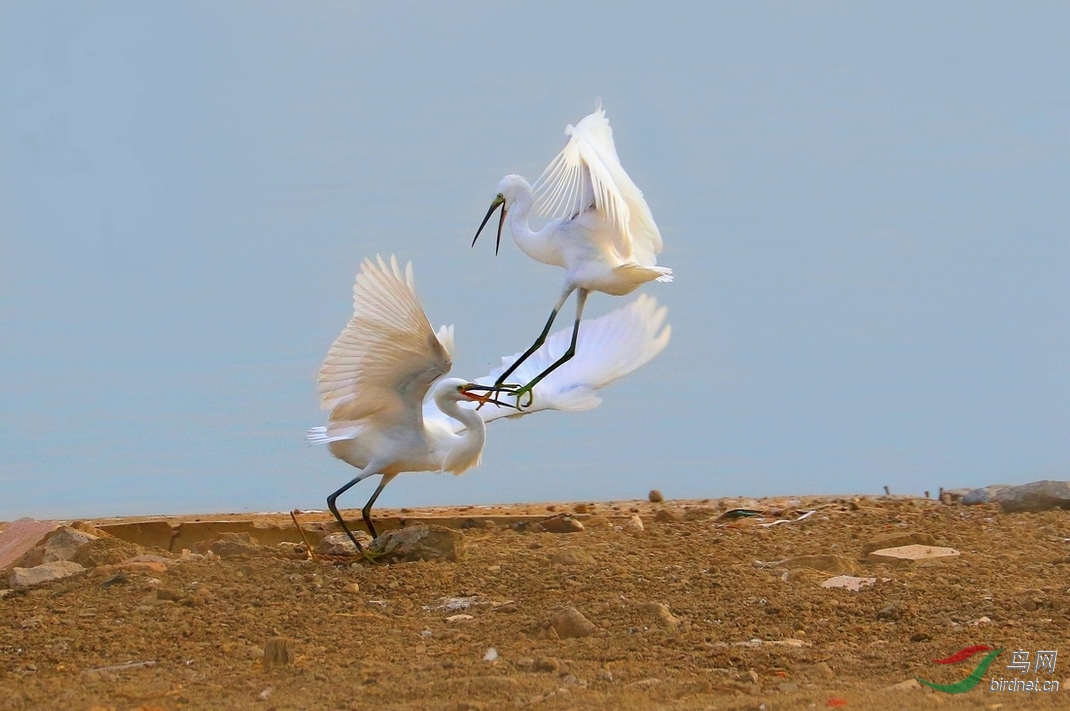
(906, 685)
(561, 524)
(655, 496)
(547, 664)
(570, 622)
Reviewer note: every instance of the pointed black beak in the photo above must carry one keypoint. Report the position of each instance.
(499, 201)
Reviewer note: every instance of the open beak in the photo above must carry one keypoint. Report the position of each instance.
(488, 395)
(498, 201)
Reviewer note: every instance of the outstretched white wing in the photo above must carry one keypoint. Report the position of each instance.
(587, 171)
(380, 367)
(608, 348)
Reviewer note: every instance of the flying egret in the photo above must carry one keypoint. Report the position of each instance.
(599, 228)
(376, 379)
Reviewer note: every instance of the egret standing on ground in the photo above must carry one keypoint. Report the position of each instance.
(378, 373)
(599, 228)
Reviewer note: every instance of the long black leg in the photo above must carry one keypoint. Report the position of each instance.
(366, 512)
(538, 341)
(334, 509)
(581, 298)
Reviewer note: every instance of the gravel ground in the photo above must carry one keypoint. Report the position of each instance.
(698, 610)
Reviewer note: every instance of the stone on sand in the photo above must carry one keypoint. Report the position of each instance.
(20, 578)
(547, 664)
(423, 541)
(61, 544)
(339, 544)
(659, 613)
(560, 524)
(570, 622)
(570, 557)
(983, 495)
(1034, 496)
(894, 540)
(905, 685)
(848, 582)
(912, 554)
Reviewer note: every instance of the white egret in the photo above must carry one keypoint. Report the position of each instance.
(599, 227)
(376, 379)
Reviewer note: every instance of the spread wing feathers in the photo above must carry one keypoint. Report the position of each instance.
(384, 361)
(587, 171)
(608, 348)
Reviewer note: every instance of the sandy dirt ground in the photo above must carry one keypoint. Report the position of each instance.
(695, 611)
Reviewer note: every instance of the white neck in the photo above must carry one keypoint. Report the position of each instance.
(464, 449)
(538, 245)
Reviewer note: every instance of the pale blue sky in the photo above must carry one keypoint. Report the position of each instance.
(867, 210)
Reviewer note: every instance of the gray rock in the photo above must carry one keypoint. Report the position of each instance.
(423, 541)
(983, 495)
(1034, 496)
(29, 577)
(339, 544)
(950, 496)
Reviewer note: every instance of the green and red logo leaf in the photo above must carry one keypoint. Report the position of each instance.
(974, 677)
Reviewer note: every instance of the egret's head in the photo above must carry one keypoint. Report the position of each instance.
(458, 389)
(509, 189)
